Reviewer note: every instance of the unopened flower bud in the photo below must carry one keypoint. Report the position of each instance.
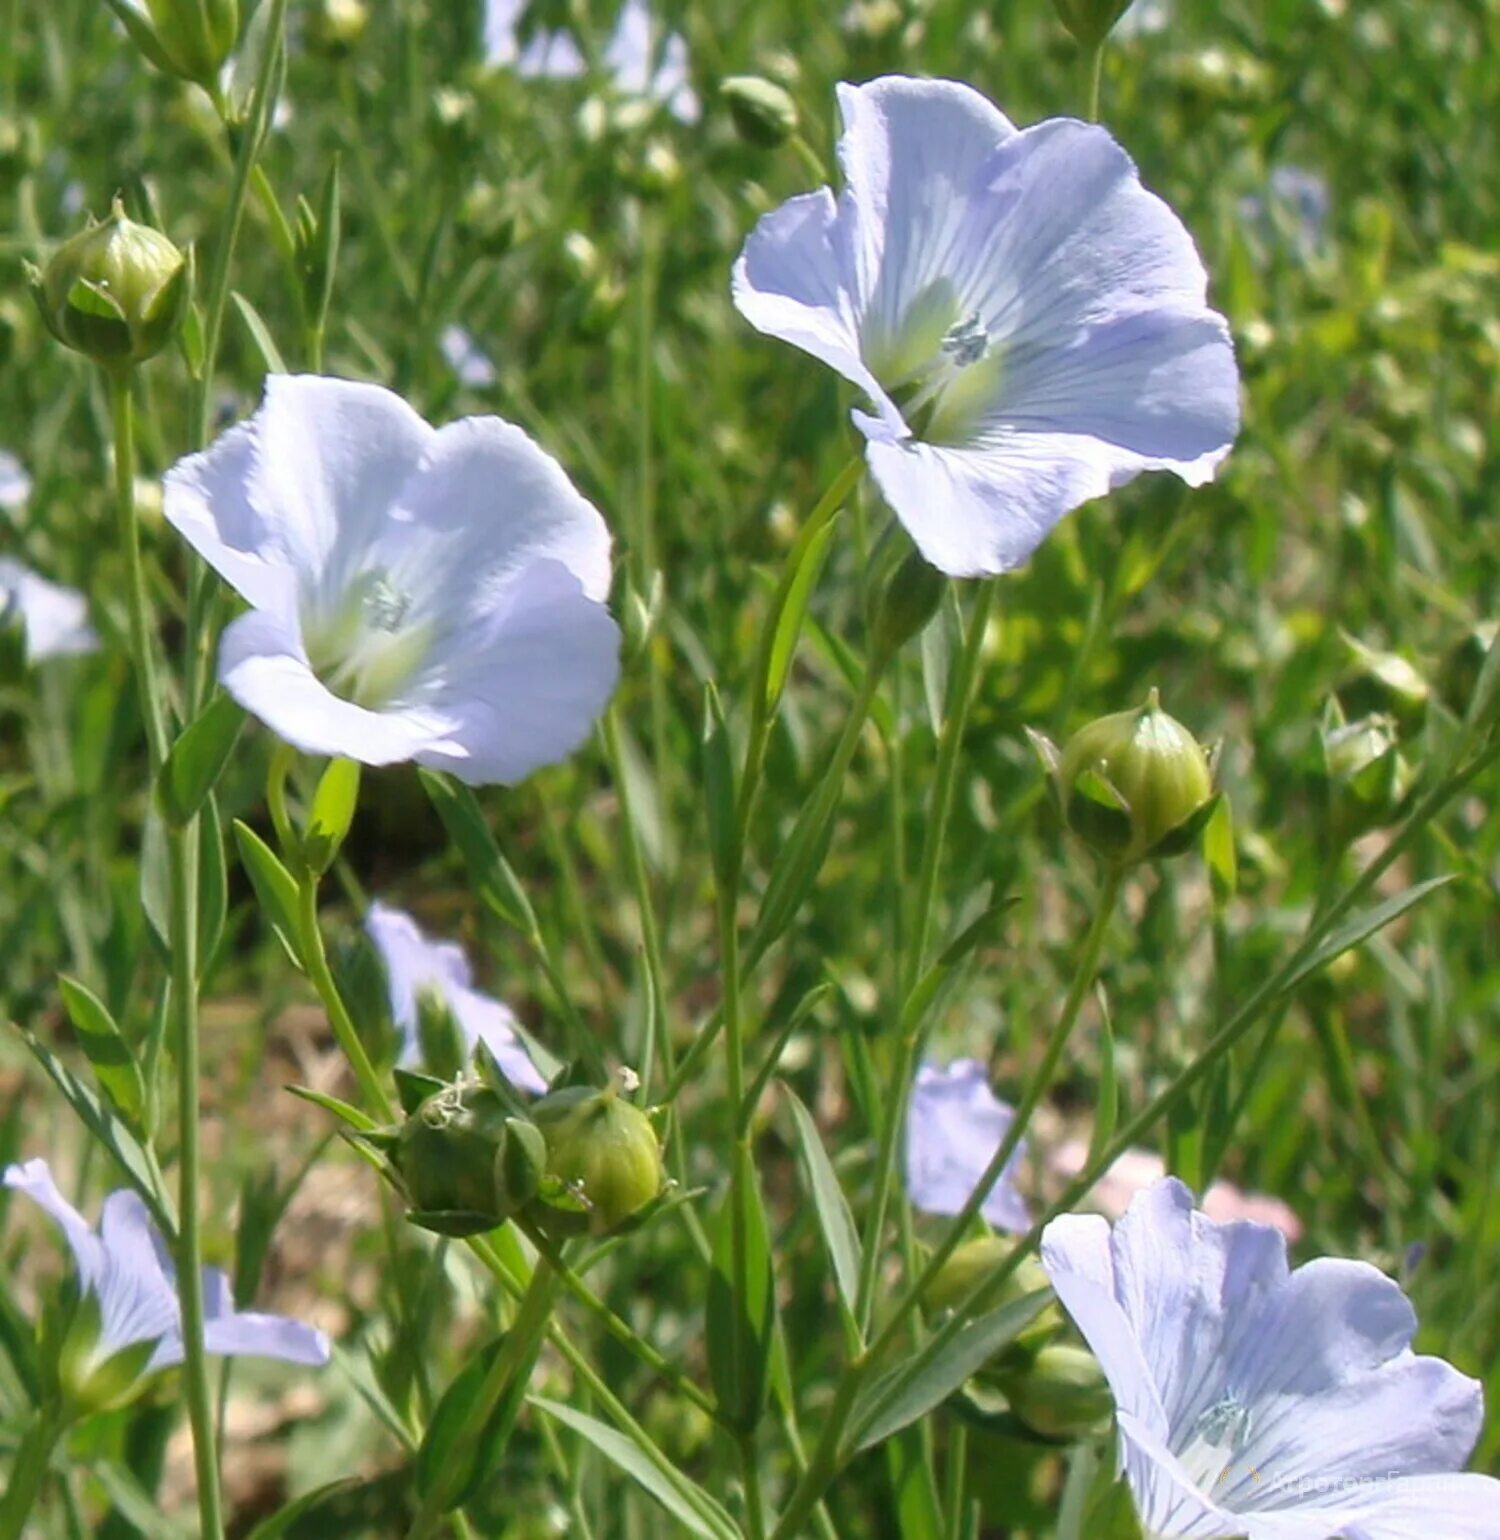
(468, 1162)
(1090, 21)
(603, 1160)
(334, 27)
(975, 1261)
(763, 112)
(1458, 674)
(909, 600)
(1136, 785)
(1061, 1393)
(1368, 778)
(116, 291)
(187, 38)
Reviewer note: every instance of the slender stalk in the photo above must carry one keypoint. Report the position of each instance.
(142, 646)
(315, 960)
(1094, 61)
(512, 1363)
(29, 1472)
(932, 851)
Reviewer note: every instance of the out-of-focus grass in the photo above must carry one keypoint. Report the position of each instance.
(588, 257)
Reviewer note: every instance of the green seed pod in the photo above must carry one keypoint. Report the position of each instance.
(1061, 1393)
(334, 27)
(116, 291)
(763, 112)
(1367, 777)
(976, 1260)
(187, 38)
(603, 1160)
(1090, 21)
(1135, 786)
(466, 1157)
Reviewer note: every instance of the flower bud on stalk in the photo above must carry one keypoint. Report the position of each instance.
(1136, 786)
(603, 1161)
(1061, 1393)
(1090, 21)
(1368, 778)
(116, 291)
(187, 38)
(763, 112)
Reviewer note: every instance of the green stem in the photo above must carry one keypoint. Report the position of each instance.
(932, 850)
(1094, 61)
(182, 850)
(512, 1363)
(315, 960)
(142, 647)
(32, 1463)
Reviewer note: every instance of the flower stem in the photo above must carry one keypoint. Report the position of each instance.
(932, 850)
(315, 960)
(28, 1472)
(1094, 62)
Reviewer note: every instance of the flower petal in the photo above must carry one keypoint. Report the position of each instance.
(497, 502)
(523, 691)
(34, 1178)
(15, 484)
(328, 458)
(501, 18)
(263, 665)
(54, 619)
(483, 1019)
(1170, 1505)
(1456, 1507)
(231, 1332)
(412, 961)
(551, 56)
(953, 1128)
(911, 153)
(137, 1300)
(787, 284)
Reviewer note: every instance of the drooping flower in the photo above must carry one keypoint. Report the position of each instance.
(953, 1127)
(463, 355)
(1136, 1170)
(15, 484)
(433, 594)
(1262, 1403)
(414, 965)
(53, 619)
(1028, 322)
(639, 71)
(125, 1270)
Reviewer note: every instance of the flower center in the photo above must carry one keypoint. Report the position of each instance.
(942, 386)
(365, 648)
(1208, 1456)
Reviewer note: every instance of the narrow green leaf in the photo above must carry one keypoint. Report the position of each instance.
(104, 1045)
(688, 1503)
(1107, 1098)
(133, 1503)
(331, 814)
(829, 1203)
(789, 607)
(718, 789)
(356, 1119)
(260, 335)
(274, 886)
(109, 1130)
(928, 1378)
(448, 1438)
(281, 1521)
(197, 759)
(1484, 704)
(499, 887)
(1218, 853)
(741, 1328)
(795, 870)
(1362, 927)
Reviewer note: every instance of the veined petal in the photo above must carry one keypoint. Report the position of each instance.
(206, 500)
(1456, 1507)
(245, 1333)
(328, 459)
(787, 283)
(264, 666)
(1170, 1505)
(954, 1126)
(34, 1179)
(137, 1301)
(911, 153)
(523, 691)
(482, 504)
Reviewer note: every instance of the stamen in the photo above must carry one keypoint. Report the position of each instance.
(1217, 1437)
(966, 341)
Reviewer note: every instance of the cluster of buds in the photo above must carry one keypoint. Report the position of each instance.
(1135, 786)
(117, 291)
(1052, 1388)
(471, 1154)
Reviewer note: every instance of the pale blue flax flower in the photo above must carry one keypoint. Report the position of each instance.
(417, 593)
(1028, 322)
(639, 71)
(15, 484)
(1258, 1402)
(416, 965)
(953, 1127)
(125, 1274)
(54, 620)
(469, 362)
